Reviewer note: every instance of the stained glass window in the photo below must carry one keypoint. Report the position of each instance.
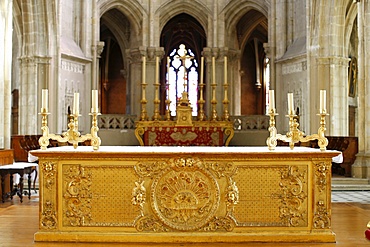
(182, 76)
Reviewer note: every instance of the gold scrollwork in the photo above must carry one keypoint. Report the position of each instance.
(144, 169)
(217, 223)
(139, 195)
(78, 196)
(145, 224)
(49, 169)
(222, 169)
(292, 196)
(322, 217)
(48, 216)
(322, 170)
(232, 195)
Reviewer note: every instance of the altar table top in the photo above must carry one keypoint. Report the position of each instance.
(259, 151)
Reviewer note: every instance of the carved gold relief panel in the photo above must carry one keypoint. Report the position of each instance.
(48, 181)
(185, 194)
(272, 196)
(98, 195)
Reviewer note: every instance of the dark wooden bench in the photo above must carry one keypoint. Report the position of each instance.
(348, 145)
(21, 168)
(8, 168)
(6, 157)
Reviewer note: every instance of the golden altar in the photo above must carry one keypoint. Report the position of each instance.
(184, 194)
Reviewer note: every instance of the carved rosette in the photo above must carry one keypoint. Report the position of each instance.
(48, 216)
(185, 196)
(78, 196)
(292, 212)
(322, 217)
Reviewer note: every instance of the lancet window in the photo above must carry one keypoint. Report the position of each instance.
(182, 75)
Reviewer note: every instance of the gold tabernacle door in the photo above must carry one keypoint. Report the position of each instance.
(184, 194)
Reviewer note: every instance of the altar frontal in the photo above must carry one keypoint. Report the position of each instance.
(185, 194)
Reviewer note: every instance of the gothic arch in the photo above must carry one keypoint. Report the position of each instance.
(35, 34)
(114, 24)
(236, 9)
(350, 18)
(131, 9)
(331, 27)
(115, 31)
(173, 8)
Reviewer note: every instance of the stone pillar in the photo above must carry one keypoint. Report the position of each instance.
(331, 71)
(134, 57)
(281, 25)
(6, 25)
(361, 168)
(27, 97)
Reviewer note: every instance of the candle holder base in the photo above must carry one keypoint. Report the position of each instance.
(72, 135)
(295, 135)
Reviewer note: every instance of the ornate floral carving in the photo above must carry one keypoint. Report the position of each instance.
(222, 169)
(185, 196)
(139, 195)
(292, 196)
(321, 172)
(322, 217)
(49, 169)
(232, 195)
(144, 169)
(217, 223)
(150, 224)
(78, 196)
(48, 216)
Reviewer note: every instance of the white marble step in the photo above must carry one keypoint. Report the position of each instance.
(342, 183)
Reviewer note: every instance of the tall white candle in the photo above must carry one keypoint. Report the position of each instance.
(213, 70)
(156, 70)
(201, 69)
(271, 100)
(76, 104)
(290, 103)
(322, 101)
(94, 101)
(143, 69)
(44, 100)
(225, 69)
(168, 78)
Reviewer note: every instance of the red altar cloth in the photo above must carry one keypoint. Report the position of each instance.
(184, 136)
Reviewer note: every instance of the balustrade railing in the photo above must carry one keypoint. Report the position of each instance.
(250, 123)
(117, 121)
(241, 123)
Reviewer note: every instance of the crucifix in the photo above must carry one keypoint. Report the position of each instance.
(184, 57)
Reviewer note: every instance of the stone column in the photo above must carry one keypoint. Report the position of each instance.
(27, 96)
(331, 71)
(361, 168)
(134, 57)
(6, 25)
